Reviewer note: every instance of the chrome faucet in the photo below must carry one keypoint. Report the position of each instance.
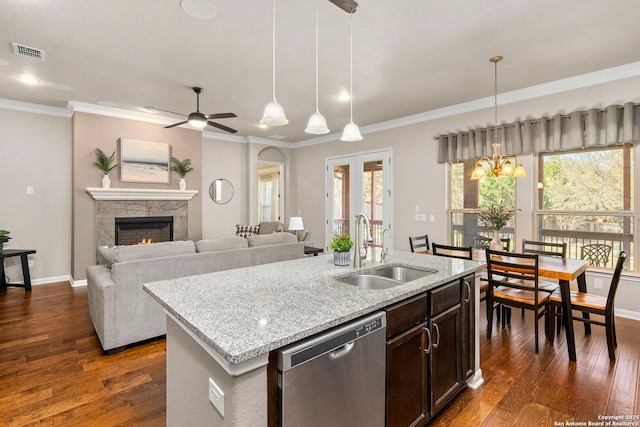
(357, 259)
(385, 250)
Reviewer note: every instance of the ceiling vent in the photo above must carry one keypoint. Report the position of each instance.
(28, 52)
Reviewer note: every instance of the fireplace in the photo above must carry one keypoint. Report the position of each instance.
(134, 230)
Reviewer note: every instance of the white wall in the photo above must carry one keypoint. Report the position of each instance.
(35, 150)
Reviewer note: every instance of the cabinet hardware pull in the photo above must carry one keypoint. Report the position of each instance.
(437, 343)
(428, 331)
(468, 298)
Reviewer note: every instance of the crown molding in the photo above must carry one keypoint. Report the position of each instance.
(10, 104)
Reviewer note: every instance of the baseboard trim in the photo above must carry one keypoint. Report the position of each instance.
(634, 315)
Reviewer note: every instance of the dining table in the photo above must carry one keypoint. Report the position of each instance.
(565, 270)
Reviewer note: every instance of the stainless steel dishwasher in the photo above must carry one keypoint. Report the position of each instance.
(336, 378)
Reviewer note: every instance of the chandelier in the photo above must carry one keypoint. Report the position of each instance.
(498, 165)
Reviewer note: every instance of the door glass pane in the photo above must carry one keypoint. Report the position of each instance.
(341, 213)
(372, 197)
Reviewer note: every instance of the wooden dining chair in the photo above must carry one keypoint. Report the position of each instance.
(452, 251)
(483, 242)
(419, 243)
(593, 304)
(507, 272)
(597, 254)
(558, 250)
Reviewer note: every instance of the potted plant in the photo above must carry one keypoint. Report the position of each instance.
(341, 245)
(106, 164)
(182, 168)
(495, 217)
(4, 238)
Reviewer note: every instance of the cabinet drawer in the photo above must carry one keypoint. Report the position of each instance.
(444, 297)
(406, 314)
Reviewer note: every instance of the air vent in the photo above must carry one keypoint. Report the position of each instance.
(29, 52)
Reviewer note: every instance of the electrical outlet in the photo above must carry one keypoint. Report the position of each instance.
(30, 190)
(421, 217)
(30, 263)
(417, 208)
(216, 396)
(597, 283)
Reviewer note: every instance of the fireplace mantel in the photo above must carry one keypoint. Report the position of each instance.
(140, 194)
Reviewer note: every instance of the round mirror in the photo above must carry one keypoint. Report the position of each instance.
(221, 191)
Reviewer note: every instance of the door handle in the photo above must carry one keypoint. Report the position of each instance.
(437, 343)
(341, 351)
(428, 331)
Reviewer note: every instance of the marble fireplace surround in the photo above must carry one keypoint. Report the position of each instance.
(129, 202)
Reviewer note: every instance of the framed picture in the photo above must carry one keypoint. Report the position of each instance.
(144, 161)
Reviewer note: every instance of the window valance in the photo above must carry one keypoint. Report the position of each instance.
(612, 125)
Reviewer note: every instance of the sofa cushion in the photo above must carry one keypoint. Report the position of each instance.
(268, 227)
(154, 250)
(247, 230)
(105, 255)
(271, 239)
(221, 244)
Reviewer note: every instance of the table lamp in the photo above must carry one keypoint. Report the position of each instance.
(295, 224)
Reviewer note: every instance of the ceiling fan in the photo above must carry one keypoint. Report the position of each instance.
(200, 120)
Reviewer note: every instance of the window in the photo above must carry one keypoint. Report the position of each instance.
(467, 197)
(585, 198)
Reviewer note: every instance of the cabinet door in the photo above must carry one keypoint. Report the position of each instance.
(407, 394)
(468, 327)
(446, 367)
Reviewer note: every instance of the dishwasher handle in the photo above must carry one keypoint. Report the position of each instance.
(342, 351)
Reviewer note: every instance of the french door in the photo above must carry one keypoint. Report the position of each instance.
(359, 183)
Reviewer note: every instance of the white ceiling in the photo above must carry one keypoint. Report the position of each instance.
(410, 56)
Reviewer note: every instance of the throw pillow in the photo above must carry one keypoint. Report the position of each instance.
(268, 227)
(247, 230)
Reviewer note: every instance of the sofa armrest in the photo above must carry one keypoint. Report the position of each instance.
(101, 292)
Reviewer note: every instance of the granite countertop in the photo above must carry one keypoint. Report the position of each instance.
(245, 313)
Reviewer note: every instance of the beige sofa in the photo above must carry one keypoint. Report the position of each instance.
(123, 313)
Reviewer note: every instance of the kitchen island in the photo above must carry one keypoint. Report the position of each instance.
(222, 327)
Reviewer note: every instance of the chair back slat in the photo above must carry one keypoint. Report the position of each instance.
(419, 243)
(597, 254)
(558, 250)
(520, 267)
(452, 251)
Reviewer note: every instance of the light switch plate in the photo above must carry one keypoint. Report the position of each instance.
(421, 217)
(216, 396)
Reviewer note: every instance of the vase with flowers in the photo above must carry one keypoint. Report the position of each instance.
(495, 217)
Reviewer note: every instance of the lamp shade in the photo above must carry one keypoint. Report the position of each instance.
(317, 124)
(295, 223)
(274, 115)
(351, 133)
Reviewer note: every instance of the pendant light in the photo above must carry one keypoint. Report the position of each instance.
(273, 113)
(317, 124)
(351, 131)
(498, 165)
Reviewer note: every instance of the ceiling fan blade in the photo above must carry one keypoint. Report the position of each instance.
(223, 127)
(167, 111)
(175, 124)
(220, 116)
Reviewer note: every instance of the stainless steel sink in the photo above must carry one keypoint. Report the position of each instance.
(385, 277)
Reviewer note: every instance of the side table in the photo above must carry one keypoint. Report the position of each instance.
(22, 253)
(310, 250)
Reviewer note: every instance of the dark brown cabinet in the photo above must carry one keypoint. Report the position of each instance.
(430, 342)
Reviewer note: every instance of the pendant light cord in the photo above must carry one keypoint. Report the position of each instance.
(351, 63)
(273, 58)
(495, 101)
(317, 108)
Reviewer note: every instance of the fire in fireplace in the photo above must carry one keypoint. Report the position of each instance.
(146, 229)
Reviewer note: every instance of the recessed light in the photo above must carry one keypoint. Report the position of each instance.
(199, 9)
(59, 86)
(29, 79)
(344, 97)
(148, 109)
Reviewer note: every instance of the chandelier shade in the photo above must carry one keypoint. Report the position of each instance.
(317, 123)
(498, 165)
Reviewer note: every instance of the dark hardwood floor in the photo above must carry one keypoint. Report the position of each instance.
(53, 372)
